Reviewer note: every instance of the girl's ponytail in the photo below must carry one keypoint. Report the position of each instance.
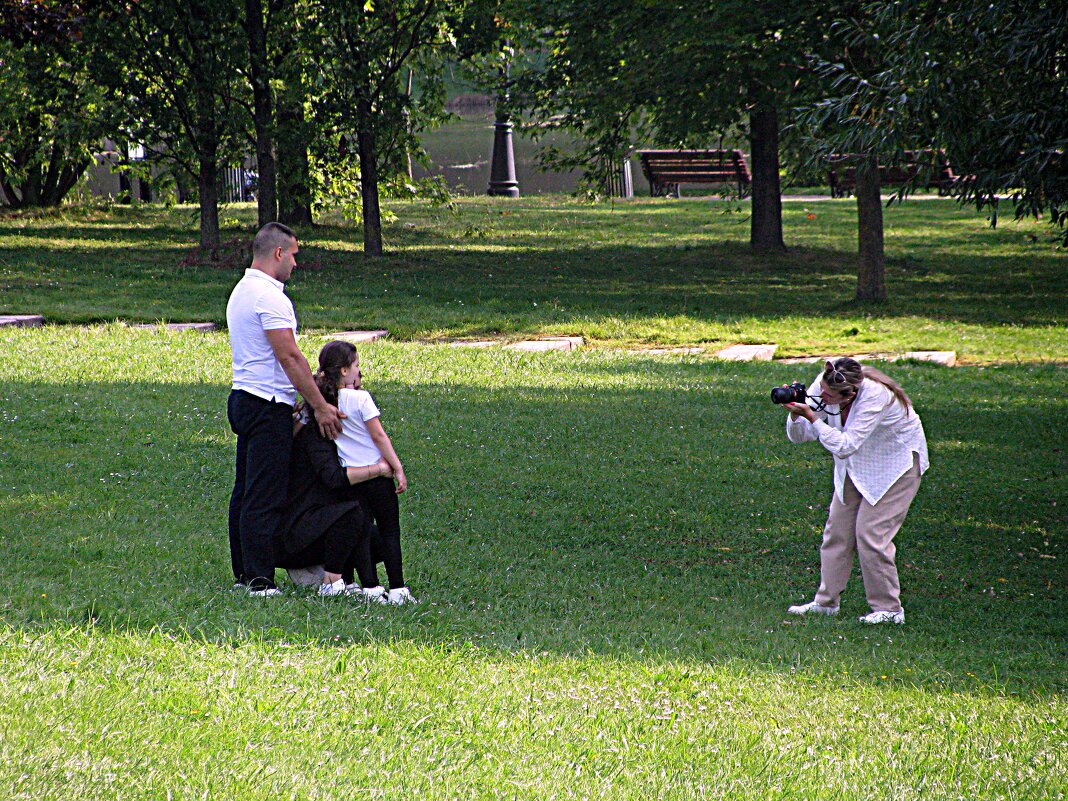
(335, 355)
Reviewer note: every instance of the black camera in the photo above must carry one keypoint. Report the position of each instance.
(795, 393)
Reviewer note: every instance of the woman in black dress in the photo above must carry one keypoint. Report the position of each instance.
(321, 526)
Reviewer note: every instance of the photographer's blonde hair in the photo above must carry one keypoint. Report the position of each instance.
(846, 373)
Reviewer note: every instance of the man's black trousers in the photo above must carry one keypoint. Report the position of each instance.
(264, 431)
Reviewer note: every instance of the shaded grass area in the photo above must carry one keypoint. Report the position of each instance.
(641, 273)
(604, 545)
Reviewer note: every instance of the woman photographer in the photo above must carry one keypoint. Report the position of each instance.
(867, 422)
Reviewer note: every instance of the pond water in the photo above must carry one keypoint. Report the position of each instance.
(461, 152)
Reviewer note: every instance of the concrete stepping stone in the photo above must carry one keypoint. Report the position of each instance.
(800, 360)
(748, 353)
(549, 343)
(661, 351)
(178, 326)
(860, 357)
(360, 336)
(467, 343)
(22, 320)
(946, 357)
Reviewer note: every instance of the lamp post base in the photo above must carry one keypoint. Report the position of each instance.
(502, 180)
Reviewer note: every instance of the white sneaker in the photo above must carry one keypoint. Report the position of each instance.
(266, 592)
(401, 596)
(337, 588)
(812, 608)
(374, 595)
(306, 576)
(883, 617)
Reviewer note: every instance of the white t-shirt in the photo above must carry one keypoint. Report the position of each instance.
(259, 304)
(355, 446)
(875, 445)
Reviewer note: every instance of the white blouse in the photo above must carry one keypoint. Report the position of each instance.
(875, 445)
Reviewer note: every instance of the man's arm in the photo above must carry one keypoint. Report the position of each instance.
(284, 345)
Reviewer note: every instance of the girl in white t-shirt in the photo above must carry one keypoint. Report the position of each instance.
(363, 442)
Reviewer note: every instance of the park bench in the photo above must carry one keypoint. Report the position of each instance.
(667, 169)
(930, 166)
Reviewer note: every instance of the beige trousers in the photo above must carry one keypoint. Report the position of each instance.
(868, 530)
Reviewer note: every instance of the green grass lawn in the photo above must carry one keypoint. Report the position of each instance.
(641, 273)
(604, 543)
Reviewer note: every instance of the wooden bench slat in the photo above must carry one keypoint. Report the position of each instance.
(666, 169)
(931, 165)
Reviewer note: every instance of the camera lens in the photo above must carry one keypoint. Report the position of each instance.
(795, 393)
(782, 395)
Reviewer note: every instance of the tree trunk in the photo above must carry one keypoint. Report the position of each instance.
(765, 231)
(8, 192)
(73, 169)
(871, 286)
(57, 157)
(62, 172)
(208, 186)
(372, 216)
(31, 187)
(294, 179)
(263, 113)
(408, 125)
(124, 187)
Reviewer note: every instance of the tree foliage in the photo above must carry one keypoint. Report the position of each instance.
(365, 118)
(177, 65)
(53, 112)
(986, 83)
(677, 74)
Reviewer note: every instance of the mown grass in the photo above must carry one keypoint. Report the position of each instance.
(636, 274)
(604, 544)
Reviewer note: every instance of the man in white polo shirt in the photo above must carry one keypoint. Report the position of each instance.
(269, 370)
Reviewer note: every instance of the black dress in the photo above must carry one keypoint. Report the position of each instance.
(314, 501)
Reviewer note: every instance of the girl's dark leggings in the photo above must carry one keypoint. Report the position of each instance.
(379, 499)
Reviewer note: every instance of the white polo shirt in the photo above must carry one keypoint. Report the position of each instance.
(874, 447)
(259, 304)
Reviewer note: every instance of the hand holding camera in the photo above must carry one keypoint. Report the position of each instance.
(792, 393)
(794, 397)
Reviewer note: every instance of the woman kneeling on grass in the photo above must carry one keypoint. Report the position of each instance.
(320, 527)
(363, 449)
(867, 422)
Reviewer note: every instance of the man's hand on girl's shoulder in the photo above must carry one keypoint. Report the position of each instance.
(329, 419)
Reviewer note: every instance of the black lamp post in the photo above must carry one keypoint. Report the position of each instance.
(502, 180)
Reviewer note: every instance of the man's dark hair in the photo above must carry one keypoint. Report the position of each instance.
(272, 235)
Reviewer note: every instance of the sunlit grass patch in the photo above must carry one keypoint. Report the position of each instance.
(604, 541)
(489, 267)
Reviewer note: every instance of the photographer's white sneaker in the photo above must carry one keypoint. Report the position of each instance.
(812, 608)
(883, 617)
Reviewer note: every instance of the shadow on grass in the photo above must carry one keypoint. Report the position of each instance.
(646, 510)
(492, 265)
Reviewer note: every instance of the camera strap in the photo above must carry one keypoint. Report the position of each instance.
(820, 406)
